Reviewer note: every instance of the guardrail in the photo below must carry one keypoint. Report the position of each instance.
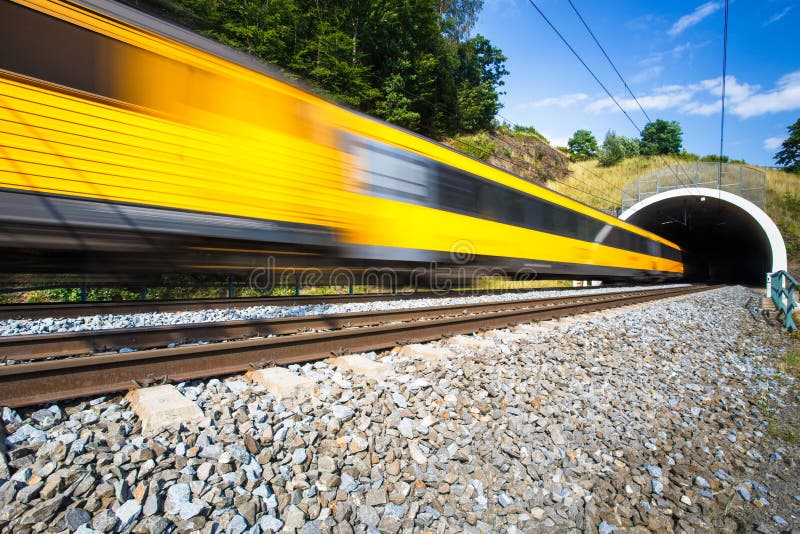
(782, 287)
(747, 182)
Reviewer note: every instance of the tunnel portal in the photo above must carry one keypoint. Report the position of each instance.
(725, 237)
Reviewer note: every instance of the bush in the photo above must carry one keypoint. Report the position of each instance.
(582, 145)
(479, 145)
(616, 148)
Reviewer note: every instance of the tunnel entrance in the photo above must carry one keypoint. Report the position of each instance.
(725, 237)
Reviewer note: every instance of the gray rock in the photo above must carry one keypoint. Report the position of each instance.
(45, 418)
(701, 482)
(368, 516)
(152, 505)
(406, 428)
(191, 509)
(342, 412)
(399, 400)
(294, 518)
(606, 528)
(556, 434)
(104, 521)
(26, 433)
(269, 522)
(504, 500)
(75, 517)
(127, 514)
(10, 416)
(658, 487)
(237, 525)
(311, 527)
(654, 470)
(348, 484)
(743, 492)
(177, 496)
(781, 521)
(299, 456)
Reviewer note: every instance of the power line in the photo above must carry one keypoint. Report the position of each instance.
(606, 199)
(580, 59)
(724, 72)
(603, 50)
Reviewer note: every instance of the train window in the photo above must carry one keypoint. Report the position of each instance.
(458, 191)
(393, 174)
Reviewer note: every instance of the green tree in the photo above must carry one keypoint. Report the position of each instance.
(661, 137)
(458, 17)
(582, 145)
(616, 148)
(407, 61)
(789, 155)
(480, 74)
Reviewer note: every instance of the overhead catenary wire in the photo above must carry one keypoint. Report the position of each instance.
(613, 66)
(619, 74)
(599, 82)
(724, 75)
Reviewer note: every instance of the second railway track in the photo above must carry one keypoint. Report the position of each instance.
(63, 377)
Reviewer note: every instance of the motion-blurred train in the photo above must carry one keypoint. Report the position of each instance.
(128, 144)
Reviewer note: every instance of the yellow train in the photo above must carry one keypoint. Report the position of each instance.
(127, 143)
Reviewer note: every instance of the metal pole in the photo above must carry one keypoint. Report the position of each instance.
(230, 288)
(84, 289)
(297, 286)
(143, 293)
(741, 179)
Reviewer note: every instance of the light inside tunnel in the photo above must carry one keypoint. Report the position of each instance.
(725, 237)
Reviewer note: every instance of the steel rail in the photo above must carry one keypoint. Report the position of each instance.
(47, 381)
(40, 346)
(75, 309)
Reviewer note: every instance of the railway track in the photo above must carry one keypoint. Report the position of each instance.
(64, 375)
(75, 309)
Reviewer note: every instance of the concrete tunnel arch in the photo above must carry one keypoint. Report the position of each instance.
(726, 237)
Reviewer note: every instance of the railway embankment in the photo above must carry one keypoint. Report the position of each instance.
(674, 416)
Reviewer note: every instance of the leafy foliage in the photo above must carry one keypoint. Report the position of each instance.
(661, 137)
(715, 158)
(616, 148)
(789, 205)
(407, 61)
(478, 145)
(789, 154)
(582, 145)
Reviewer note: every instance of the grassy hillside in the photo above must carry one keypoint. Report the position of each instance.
(601, 187)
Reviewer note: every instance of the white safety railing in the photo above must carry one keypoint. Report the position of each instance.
(741, 180)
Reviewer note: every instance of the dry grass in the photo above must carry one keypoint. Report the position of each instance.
(601, 187)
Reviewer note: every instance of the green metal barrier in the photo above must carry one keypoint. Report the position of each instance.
(782, 287)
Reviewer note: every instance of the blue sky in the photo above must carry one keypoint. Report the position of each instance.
(669, 52)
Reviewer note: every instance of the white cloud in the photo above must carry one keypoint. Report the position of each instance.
(695, 17)
(703, 98)
(561, 101)
(556, 140)
(772, 143)
(785, 97)
(777, 16)
(667, 97)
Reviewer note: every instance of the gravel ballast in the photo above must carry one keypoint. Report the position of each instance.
(647, 418)
(47, 325)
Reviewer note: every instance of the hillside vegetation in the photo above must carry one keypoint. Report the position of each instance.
(520, 150)
(601, 187)
(410, 62)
